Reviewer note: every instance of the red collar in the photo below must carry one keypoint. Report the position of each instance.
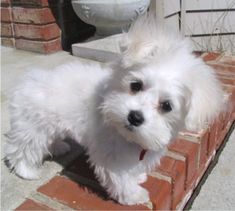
(142, 154)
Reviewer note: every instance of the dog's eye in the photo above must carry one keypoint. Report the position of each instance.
(166, 106)
(136, 86)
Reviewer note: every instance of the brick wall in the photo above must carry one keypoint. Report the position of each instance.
(29, 25)
(43, 26)
(7, 32)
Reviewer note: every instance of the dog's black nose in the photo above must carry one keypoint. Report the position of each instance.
(135, 118)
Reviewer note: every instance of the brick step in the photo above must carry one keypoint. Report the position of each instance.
(170, 185)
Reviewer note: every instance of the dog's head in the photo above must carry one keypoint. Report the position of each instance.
(158, 88)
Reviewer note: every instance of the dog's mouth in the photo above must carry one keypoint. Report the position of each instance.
(135, 137)
(129, 127)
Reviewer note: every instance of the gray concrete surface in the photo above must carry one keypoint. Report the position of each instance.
(102, 50)
(218, 193)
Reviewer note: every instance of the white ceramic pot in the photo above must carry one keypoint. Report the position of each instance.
(109, 16)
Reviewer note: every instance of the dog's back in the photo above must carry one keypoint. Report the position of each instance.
(48, 105)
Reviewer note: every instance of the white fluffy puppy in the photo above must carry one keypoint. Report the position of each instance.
(124, 115)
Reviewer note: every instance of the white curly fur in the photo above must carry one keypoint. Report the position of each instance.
(90, 104)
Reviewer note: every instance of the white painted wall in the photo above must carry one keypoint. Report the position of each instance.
(208, 4)
(210, 23)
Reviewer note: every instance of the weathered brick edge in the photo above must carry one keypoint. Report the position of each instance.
(170, 185)
(29, 25)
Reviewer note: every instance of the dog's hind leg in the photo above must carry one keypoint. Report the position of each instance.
(25, 149)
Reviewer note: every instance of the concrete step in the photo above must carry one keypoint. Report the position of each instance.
(101, 50)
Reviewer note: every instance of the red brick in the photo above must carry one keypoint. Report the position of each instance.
(225, 121)
(10, 42)
(213, 136)
(230, 109)
(210, 56)
(42, 32)
(5, 3)
(232, 98)
(218, 131)
(201, 138)
(6, 15)
(224, 70)
(229, 60)
(227, 80)
(32, 205)
(30, 3)
(232, 103)
(190, 151)
(39, 46)
(221, 137)
(160, 193)
(6, 30)
(77, 196)
(33, 15)
(203, 147)
(176, 169)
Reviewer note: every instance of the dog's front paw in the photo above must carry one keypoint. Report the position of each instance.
(137, 196)
(142, 178)
(24, 170)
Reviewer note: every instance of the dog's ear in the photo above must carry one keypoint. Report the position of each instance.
(140, 41)
(207, 98)
(147, 41)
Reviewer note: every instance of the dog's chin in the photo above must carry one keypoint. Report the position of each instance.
(129, 127)
(132, 135)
